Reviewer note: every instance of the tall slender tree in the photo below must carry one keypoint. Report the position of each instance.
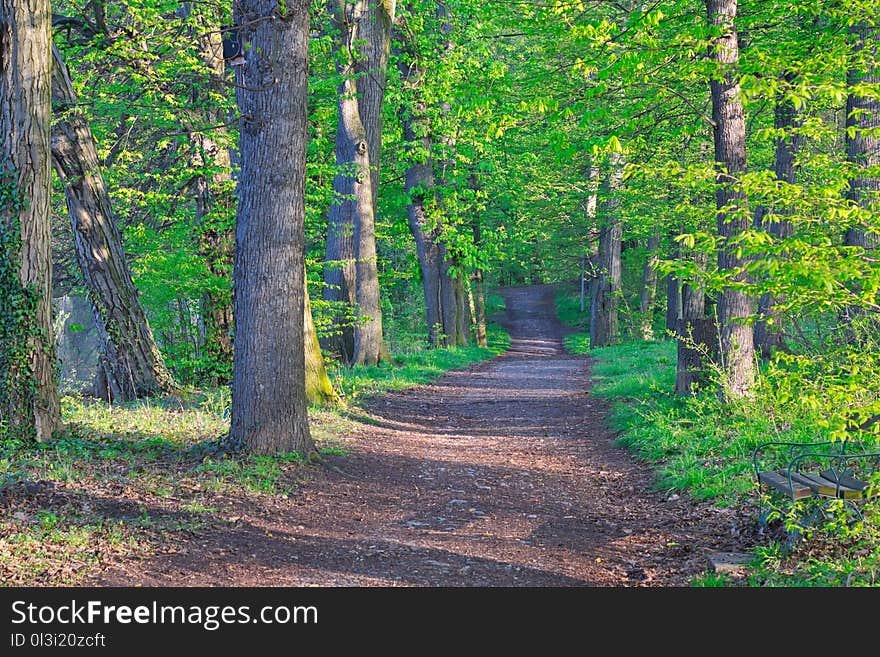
(29, 406)
(131, 365)
(769, 334)
(649, 288)
(734, 303)
(352, 274)
(863, 127)
(269, 409)
(215, 194)
(606, 289)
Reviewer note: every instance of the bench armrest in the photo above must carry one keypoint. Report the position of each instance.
(793, 447)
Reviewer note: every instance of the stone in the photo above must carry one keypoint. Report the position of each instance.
(732, 563)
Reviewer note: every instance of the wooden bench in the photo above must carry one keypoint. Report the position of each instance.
(839, 469)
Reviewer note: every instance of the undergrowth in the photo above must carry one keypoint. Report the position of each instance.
(699, 444)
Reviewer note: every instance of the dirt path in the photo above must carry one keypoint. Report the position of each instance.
(501, 475)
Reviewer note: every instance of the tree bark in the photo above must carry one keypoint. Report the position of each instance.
(673, 302)
(353, 210)
(649, 288)
(606, 289)
(29, 408)
(419, 182)
(734, 305)
(269, 408)
(769, 328)
(374, 29)
(131, 362)
(439, 288)
(463, 314)
(863, 124)
(697, 335)
(479, 293)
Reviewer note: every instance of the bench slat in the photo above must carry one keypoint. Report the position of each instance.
(822, 486)
(780, 482)
(815, 483)
(845, 480)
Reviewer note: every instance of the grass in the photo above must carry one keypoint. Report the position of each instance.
(700, 445)
(124, 478)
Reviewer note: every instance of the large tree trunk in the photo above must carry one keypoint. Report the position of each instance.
(131, 364)
(419, 185)
(353, 208)
(769, 329)
(734, 305)
(649, 289)
(606, 289)
(863, 125)
(269, 407)
(340, 274)
(29, 406)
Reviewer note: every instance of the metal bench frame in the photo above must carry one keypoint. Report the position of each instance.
(835, 481)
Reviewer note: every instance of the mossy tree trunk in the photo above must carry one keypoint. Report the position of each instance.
(29, 408)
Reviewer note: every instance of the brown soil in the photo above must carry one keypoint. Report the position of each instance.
(505, 474)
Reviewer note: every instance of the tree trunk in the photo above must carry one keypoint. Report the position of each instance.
(863, 124)
(132, 364)
(29, 406)
(420, 189)
(734, 305)
(216, 199)
(606, 289)
(479, 293)
(353, 208)
(673, 303)
(697, 348)
(769, 328)
(450, 307)
(418, 179)
(649, 288)
(443, 307)
(269, 407)
(319, 390)
(697, 335)
(463, 315)
(374, 29)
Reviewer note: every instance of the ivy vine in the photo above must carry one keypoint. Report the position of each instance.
(18, 319)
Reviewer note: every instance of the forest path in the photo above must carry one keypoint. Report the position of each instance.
(504, 474)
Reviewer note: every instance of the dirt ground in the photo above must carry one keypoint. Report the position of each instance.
(504, 474)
